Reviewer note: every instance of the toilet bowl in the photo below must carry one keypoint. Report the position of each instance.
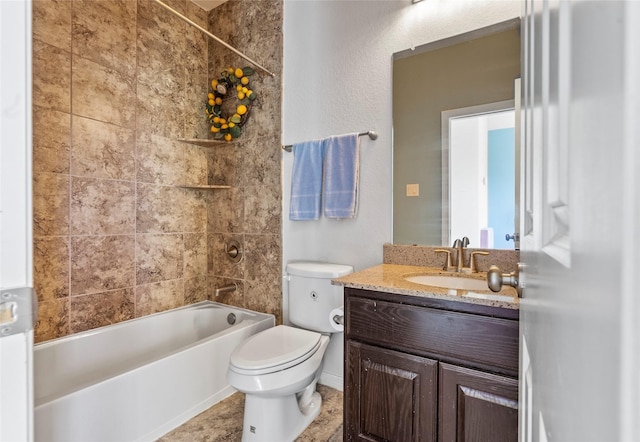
(278, 368)
(281, 398)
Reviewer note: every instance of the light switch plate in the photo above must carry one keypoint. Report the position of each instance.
(413, 189)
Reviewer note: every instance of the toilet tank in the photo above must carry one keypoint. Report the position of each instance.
(311, 295)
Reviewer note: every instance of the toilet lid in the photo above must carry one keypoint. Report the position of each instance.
(274, 349)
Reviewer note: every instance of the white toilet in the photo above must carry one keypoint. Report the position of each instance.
(278, 368)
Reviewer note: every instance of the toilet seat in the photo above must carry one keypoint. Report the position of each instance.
(273, 350)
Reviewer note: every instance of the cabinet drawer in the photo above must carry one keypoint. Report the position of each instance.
(480, 341)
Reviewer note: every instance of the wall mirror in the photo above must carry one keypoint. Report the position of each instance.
(455, 104)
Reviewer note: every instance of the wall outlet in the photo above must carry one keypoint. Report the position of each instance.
(413, 189)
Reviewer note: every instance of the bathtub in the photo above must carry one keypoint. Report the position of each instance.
(139, 379)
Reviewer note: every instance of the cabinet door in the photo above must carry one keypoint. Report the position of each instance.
(477, 406)
(389, 396)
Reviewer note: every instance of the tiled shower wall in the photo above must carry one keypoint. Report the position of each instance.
(251, 211)
(115, 83)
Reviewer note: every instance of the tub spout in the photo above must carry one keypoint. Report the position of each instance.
(225, 289)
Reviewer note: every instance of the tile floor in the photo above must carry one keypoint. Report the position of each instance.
(223, 422)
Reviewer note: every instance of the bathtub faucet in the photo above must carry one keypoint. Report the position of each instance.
(225, 289)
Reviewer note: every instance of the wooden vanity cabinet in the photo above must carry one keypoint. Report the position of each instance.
(421, 369)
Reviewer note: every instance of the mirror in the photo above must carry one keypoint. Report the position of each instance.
(434, 86)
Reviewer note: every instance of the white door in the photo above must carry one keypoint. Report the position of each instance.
(580, 226)
(16, 307)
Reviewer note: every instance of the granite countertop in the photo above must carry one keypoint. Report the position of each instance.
(390, 278)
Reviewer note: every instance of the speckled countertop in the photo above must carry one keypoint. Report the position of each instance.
(391, 278)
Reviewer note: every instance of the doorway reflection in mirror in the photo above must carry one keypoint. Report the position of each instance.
(480, 181)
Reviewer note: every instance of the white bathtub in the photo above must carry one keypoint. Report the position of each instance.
(138, 379)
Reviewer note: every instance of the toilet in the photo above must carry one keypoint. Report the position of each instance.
(278, 368)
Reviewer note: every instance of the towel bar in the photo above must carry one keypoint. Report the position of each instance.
(372, 134)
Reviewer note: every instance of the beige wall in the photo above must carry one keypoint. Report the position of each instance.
(115, 234)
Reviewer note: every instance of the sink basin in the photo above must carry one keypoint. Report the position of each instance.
(454, 283)
(449, 282)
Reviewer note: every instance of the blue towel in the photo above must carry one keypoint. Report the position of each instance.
(341, 176)
(306, 180)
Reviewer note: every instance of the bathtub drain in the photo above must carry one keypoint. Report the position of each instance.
(231, 318)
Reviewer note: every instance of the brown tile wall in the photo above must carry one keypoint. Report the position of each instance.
(251, 211)
(115, 82)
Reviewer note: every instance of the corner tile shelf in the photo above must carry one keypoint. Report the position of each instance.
(206, 186)
(204, 142)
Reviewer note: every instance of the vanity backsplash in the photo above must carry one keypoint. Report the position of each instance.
(506, 260)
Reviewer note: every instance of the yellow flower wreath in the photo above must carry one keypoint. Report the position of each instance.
(231, 81)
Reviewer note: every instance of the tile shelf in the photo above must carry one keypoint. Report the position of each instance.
(204, 142)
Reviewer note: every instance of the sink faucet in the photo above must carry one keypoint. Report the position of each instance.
(460, 245)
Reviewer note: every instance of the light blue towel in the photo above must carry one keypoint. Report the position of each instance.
(306, 180)
(341, 176)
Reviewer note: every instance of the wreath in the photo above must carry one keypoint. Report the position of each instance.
(226, 120)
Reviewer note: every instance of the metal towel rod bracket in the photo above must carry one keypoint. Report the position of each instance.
(372, 135)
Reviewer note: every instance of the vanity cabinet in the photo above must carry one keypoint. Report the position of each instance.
(422, 369)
